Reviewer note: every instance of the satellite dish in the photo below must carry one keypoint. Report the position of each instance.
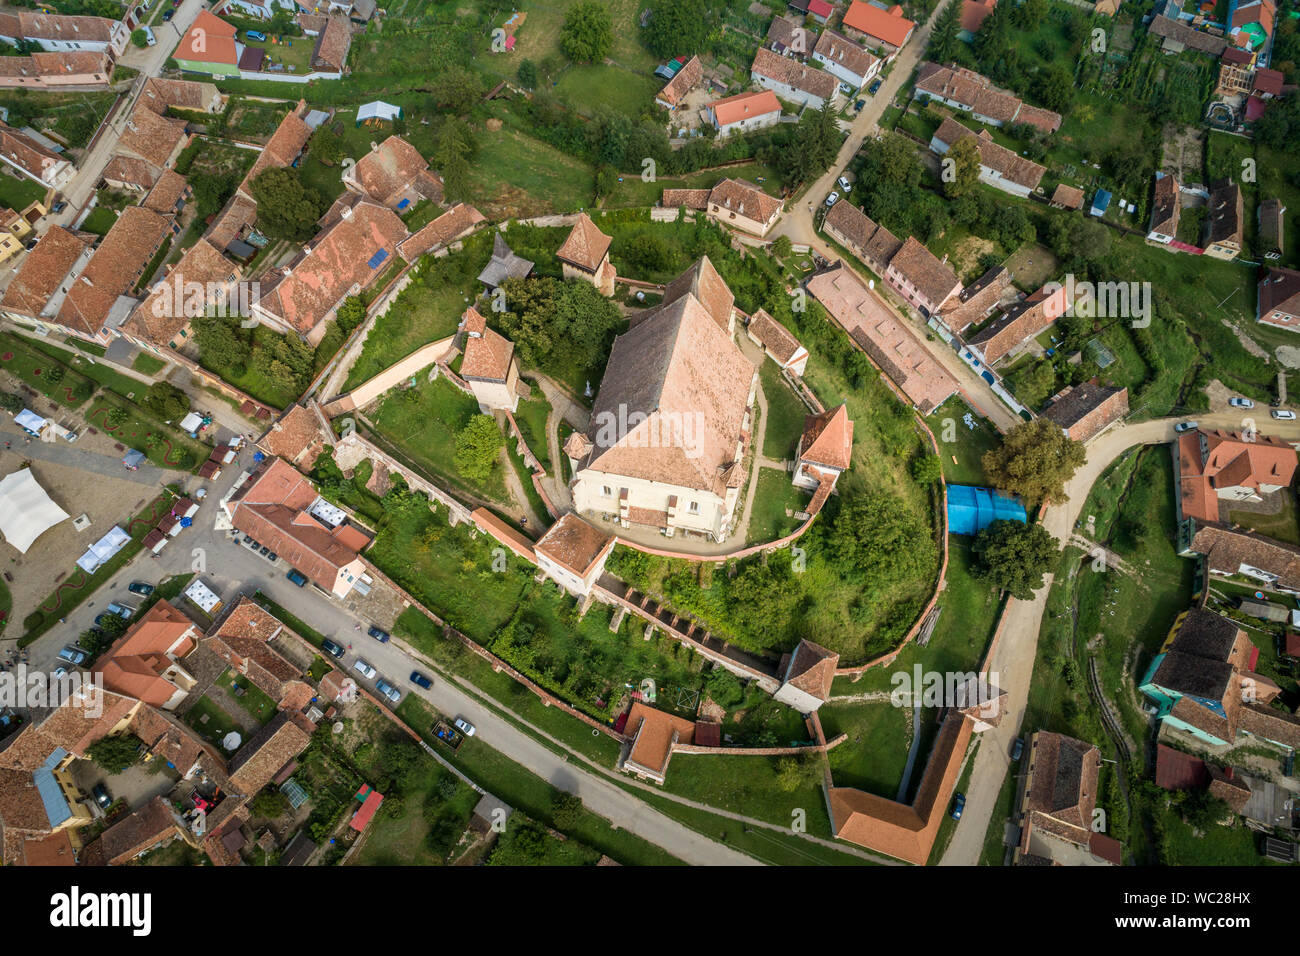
(232, 740)
(338, 727)
(871, 283)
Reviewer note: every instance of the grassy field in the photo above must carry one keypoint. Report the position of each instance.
(785, 414)
(531, 417)
(598, 87)
(516, 176)
(961, 448)
(775, 496)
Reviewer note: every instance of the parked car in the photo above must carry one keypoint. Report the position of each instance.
(297, 577)
(149, 38)
(1241, 403)
(859, 104)
(958, 805)
(139, 587)
(257, 35)
(248, 539)
(464, 726)
(1283, 414)
(363, 668)
(332, 649)
(73, 654)
(30, 244)
(1017, 748)
(845, 185)
(101, 795)
(388, 690)
(167, 15)
(60, 671)
(419, 680)
(378, 634)
(1185, 427)
(273, 557)
(832, 199)
(874, 86)
(59, 206)
(123, 611)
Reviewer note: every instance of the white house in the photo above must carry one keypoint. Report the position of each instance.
(744, 112)
(844, 58)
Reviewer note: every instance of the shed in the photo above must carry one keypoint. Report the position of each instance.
(378, 109)
(972, 509)
(1100, 203)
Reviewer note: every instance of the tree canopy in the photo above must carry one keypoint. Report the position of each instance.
(676, 25)
(588, 34)
(286, 207)
(477, 445)
(1035, 460)
(1015, 556)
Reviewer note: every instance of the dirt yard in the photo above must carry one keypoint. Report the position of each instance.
(1032, 265)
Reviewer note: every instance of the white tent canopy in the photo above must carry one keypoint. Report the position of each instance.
(26, 511)
(103, 549)
(30, 421)
(379, 110)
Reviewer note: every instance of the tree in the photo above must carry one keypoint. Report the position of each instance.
(961, 167)
(723, 687)
(782, 247)
(588, 34)
(943, 42)
(558, 324)
(457, 90)
(606, 181)
(676, 25)
(878, 540)
(1015, 556)
(796, 773)
(223, 345)
(451, 157)
(927, 469)
(269, 804)
(325, 147)
(566, 810)
(1035, 460)
(1055, 88)
(115, 754)
(166, 401)
(477, 445)
(527, 74)
(1029, 14)
(140, 38)
(351, 313)
(286, 207)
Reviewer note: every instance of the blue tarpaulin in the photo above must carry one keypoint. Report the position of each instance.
(377, 258)
(971, 509)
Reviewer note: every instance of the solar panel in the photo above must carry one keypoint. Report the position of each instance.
(377, 258)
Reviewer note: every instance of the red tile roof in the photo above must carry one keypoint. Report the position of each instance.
(743, 106)
(575, 544)
(828, 438)
(585, 246)
(893, 28)
(208, 40)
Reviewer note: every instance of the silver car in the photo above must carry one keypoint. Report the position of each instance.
(388, 690)
(364, 669)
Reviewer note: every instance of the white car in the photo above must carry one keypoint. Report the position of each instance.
(845, 185)
(464, 726)
(832, 199)
(1185, 427)
(149, 38)
(1283, 414)
(1241, 403)
(364, 669)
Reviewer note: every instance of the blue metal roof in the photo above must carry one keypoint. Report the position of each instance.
(56, 804)
(1100, 202)
(377, 258)
(972, 509)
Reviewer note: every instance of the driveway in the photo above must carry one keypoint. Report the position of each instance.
(1013, 658)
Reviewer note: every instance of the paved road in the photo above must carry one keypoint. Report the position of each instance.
(60, 452)
(230, 568)
(1013, 659)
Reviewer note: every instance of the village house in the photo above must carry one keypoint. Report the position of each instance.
(584, 255)
(1216, 468)
(973, 15)
(825, 449)
(732, 202)
(885, 30)
(394, 174)
(666, 444)
(130, 174)
(256, 764)
(1271, 244)
(1230, 551)
(330, 54)
(1000, 167)
(31, 159)
(806, 677)
(970, 92)
(777, 343)
(489, 364)
(1086, 410)
(926, 282)
(152, 826)
(793, 81)
(152, 137)
(247, 638)
(573, 553)
(61, 34)
(1057, 803)
(1278, 299)
(1222, 237)
(160, 94)
(262, 9)
(789, 37)
(846, 59)
(1067, 197)
(856, 231)
(892, 346)
(209, 46)
(100, 298)
(979, 300)
(36, 292)
(653, 736)
(53, 70)
(744, 112)
(145, 662)
(280, 508)
(202, 283)
(683, 82)
(1164, 209)
(344, 258)
(453, 225)
(298, 436)
(1020, 323)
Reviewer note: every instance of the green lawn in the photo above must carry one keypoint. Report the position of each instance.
(147, 364)
(20, 358)
(19, 193)
(961, 449)
(1283, 526)
(249, 696)
(775, 496)
(423, 422)
(217, 724)
(516, 176)
(786, 414)
(531, 417)
(597, 87)
(100, 221)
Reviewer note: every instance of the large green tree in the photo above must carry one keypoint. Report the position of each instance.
(587, 35)
(944, 41)
(558, 325)
(1035, 460)
(960, 167)
(451, 158)
(286, 207)
(677, 27)
(878, 540)
(477, 445)
(1015, 556)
